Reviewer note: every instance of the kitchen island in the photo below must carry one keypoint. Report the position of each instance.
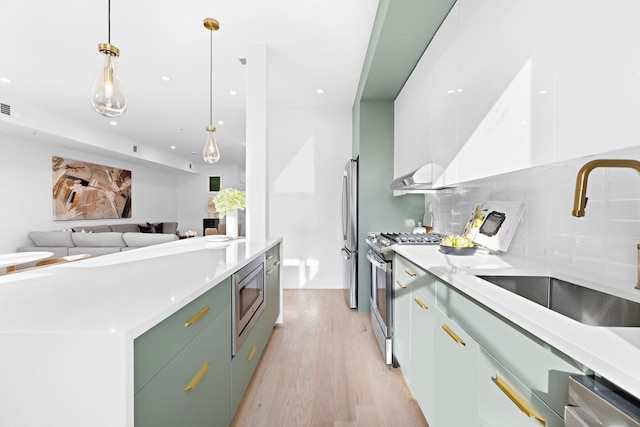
(68, 330)
(500, 336)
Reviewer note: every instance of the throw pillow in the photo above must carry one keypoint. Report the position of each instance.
(157, 225)
(149, 228)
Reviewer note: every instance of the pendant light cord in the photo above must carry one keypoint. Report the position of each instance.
(109, 21)
(211, 78)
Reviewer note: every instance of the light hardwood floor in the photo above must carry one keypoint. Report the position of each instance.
(322, 367)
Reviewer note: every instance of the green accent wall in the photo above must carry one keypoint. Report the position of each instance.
(378, 209)
(401, 32)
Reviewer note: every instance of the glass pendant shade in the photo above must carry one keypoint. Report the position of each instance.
(107, 95)
(210, 154)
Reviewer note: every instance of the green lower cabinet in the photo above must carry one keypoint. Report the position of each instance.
(272, 289)
(422, 381)
(402, 326)
(505, 402)
(198, 379)
(456, 375)
(245, 361)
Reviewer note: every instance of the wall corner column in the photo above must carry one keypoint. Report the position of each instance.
(257, 213)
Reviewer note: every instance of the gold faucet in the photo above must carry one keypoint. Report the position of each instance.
(580, 199)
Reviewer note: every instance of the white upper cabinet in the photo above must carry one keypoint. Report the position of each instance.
(410, 149)
(441, 104)
(598, 76)
(510, 84)
(477, 94)
(525, 97)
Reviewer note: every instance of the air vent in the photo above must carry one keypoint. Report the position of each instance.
(5, 109)
(243, 61)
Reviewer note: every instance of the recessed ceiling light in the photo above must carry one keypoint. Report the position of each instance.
(233, 92)
(113, 123)
(173, 147)
(220, 122)
(165, 78)
(5, 80)
(320, 91)
(542, 92)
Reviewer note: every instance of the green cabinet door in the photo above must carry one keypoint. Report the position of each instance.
(402, 324)
(503, 401)
(197, 379)
(156, 347)
(456, 375)
(272, 285)
(246, 359)
(422, 381)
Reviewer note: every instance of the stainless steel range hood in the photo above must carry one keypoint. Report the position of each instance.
(420, 179)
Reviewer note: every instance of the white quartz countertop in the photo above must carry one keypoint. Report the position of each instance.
(123, 293)
(612, 352)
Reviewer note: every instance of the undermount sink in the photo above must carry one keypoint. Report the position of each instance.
(585, 305)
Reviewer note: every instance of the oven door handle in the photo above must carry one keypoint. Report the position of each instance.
(377, 263)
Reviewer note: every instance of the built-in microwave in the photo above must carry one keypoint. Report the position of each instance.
(247, 300)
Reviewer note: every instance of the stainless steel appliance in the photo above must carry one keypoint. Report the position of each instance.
(594, 401)
(247, 300)
(381, 258)
(350, 231)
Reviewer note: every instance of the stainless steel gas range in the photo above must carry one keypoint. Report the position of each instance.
(380, 255)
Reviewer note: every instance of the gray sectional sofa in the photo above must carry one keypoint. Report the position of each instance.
(101, 239)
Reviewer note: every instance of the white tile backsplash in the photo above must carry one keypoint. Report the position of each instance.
(604, 241)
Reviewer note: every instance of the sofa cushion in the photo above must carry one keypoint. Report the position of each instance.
(124, 228)
(110, 238)
(137, 240)
(51, 238)
(92, 229)
(169, 227)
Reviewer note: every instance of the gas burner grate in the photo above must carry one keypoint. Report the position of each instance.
(414, 238)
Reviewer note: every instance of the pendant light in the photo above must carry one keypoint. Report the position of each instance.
(210, 154)
(107, 96)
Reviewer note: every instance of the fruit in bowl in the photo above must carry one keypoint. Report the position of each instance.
(457, 245)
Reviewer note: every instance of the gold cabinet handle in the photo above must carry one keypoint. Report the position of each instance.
(401, 284)
(252, 354)
(453, 335)
(197, 317)
(277, 263)
(269, 257)
(196, 380)
(421, 303)
(410, 272)
(519, 401)
(269, 271)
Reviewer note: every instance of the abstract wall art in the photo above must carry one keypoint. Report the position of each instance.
(84, 190)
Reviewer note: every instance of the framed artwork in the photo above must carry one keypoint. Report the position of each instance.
(84, 190)
(214, 184)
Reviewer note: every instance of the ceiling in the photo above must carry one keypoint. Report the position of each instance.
(49, 52)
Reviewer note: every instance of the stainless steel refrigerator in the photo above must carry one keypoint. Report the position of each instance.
(350, 231)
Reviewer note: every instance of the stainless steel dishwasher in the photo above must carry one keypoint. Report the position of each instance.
(596, 402)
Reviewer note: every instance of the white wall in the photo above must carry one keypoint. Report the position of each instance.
(193, 194)
(26, 188)
(308, 150)
(604, 241)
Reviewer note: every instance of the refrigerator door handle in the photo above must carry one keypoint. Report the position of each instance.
(345, 205)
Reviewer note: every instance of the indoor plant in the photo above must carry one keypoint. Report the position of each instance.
(228, 201)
